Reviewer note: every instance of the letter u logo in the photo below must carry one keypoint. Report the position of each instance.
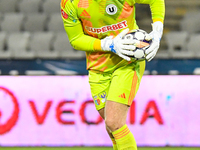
(111, 9)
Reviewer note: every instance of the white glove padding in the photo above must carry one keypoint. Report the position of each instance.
(156, 35)
(122, 47)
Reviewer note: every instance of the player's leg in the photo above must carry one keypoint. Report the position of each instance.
(99, 85)
(115, 120)
(102, 114)
(115, 115)
(124, 85)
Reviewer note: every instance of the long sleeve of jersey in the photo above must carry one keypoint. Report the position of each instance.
(157, 9)
(74, 29)
(77, 15)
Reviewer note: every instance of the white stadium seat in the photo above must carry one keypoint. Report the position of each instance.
(51, 6)
(176, 42)
(41, 43)
(8, 5)
(18, 43)
(2, 40)
(62, 45)
(176, 39)
(1, 17)
(29, 6)
(12, 22)
(4, 53)
(194, 44)
(55, 23)
(35, 22)
(190, 22)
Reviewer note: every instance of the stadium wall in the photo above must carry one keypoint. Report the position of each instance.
(78, 67)
(59, 111)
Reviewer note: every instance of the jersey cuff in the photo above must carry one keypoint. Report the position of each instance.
(158, 19)
(97, 45)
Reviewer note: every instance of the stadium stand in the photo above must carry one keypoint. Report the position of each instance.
(8, 6)
(18, 44)
(62, 45)
(35, 22)
(190, 22)
(41, 43)
(176, 41)
(55, 23)
(4, 54)
(29, 6)
(44, 15)
(2, 40)
(1, 17)
(182, 17)
(12, 22)
(51, 6)
(194, 44)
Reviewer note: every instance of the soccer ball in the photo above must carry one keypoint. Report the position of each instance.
(142, 45)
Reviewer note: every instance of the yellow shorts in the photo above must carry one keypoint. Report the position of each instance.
(120, 86)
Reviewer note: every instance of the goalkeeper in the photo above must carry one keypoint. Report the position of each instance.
(97, 27)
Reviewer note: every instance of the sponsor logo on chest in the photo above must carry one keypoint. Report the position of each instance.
(107, 28)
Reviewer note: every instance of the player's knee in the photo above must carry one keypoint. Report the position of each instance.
(112, 124)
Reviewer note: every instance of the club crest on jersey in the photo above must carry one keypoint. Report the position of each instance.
(64, 14)
(111, 9)
(102, 95)
(97, 102)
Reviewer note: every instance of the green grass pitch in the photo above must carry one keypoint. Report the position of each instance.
(96, 148)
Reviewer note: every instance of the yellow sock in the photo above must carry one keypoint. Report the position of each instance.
(124, 139)
(114, 144)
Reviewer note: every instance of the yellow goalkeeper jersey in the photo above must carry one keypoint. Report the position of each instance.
(88, 21)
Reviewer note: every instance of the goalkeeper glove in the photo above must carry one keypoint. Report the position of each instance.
(156, 35)
(122, 47)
